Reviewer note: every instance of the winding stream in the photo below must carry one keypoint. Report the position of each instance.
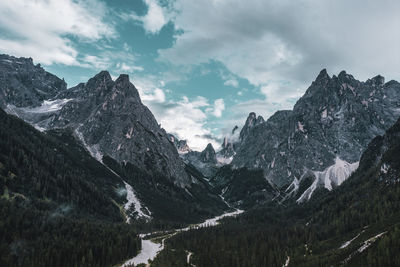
(150, 249)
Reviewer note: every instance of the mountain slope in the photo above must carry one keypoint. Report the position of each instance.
(356, 224)
(325, 133)
(55, 195)
(110, 121)
(107, 115)
(24, 84)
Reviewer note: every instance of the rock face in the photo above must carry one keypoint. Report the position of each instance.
(120, 126)
(382, 157)
(227, 148)
(205, 161)
(107, 116)
(181, 145)
(251, 122)
(329, 126)
(234, 140)
(24, 84)
(229, 145)
(208, 155)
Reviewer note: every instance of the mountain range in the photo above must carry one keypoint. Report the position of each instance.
(95, 154)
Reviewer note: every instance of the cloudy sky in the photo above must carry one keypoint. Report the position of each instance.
(202, 65)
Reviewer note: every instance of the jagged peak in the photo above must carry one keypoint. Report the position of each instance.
(102, 75)
(251, 115)
(251, 121)
(123, 84)
(100, 82)
(323, 74)
(208, 154)
(392, 83)
(209, 147)
(344, 76)
(377, 80)
(123, 78)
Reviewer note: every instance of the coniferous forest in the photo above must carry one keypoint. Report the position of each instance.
(55, 207)
(206, 133)
(365, 210)
(51, 216)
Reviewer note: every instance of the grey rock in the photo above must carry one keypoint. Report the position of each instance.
(181, 145)
(111, 120)
(208, 155)
(251, 121)
(107, 116)
(336, 118)
(24, 84)
(205, 161)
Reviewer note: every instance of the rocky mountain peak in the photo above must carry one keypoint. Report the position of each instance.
(322, 76)
(96, 87)
(208, 154)
(345, 77)
(24, 84)
(101, 78)
(331, 123)
(181, 145)
(260, 119)
(123, 80)
(376, 81)
(251, 121)
(123, 85)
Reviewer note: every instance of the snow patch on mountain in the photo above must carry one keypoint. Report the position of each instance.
(347, 243)
(384, 168)
(293, 187)
(149, 252)
(133, 200)
(331, 177)
(368, 242)
(94, 150)
(49, 106)
(223, 160)
(364, 246)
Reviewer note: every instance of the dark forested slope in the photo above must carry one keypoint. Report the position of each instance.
(357, 224)
(59, 206)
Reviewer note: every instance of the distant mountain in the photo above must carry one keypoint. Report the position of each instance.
(181, 145)
(356, 224)
(24, 84)
(110, 121)
(319, 142)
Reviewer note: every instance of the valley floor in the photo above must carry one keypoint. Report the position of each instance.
(152, 246)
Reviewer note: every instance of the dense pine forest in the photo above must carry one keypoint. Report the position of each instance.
(58, 205)
(365, 211)
(171, 207)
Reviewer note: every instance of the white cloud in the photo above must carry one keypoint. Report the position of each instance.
(232, 82)
(186, 119)
(219, 106)
(154, 20)
(40, 28)
(157, 96)
(280, 46)
(123, 67)
(116, 60)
